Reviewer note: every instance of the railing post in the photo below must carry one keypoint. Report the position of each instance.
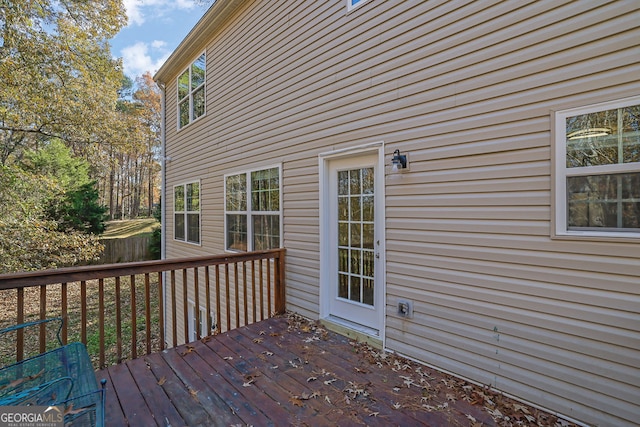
(280, 291)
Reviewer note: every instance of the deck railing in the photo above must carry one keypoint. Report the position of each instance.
(121, 311)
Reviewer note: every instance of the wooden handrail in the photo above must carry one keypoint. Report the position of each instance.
(90, 272)
(249, 288)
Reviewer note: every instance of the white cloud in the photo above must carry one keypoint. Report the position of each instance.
(137, 60)
(138, 11)
(158, 44)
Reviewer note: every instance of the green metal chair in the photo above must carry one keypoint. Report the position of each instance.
(60, 377)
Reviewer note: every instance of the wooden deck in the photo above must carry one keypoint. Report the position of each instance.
(281, 372)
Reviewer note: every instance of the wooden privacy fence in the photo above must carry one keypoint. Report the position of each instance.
(124, 310)
(127, 249)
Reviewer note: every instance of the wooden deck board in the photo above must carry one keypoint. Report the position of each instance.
(129, 395)
(268, 374)
(164, 412)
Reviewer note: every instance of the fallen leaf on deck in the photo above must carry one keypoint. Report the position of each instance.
(311, 379)
(70, 411)
(194, 394)
(258, 340)
(296, 401)
(228, 358)
(162, 380)
(189, 349)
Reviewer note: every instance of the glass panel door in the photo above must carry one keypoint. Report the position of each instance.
(356, 252)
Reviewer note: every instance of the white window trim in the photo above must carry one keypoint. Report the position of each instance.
(351, 6)
(249, 211)
(559, 227)
(191, 92)
(186, 213)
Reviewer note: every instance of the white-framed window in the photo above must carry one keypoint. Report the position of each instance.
(253, 214)
(201, 321)
(191, 91)
(352, 4)
(186, 215)
(597, 166)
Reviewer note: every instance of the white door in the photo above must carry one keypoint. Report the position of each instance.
(353, 280)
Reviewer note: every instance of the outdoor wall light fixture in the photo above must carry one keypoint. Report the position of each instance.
(399, 161)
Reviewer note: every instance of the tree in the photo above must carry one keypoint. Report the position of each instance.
(79, 210)
(130, 182)
(73, 202)
(57, 77)
(28, 240)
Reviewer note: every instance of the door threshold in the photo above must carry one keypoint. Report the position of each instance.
(353, 330)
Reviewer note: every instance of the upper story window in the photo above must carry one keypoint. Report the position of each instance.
(191, 92)
(598, 169)
(352, 4)
(186, 212)
(252, 210)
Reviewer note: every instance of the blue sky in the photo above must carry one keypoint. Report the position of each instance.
(154, 30)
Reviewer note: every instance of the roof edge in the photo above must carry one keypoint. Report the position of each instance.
(197, 38)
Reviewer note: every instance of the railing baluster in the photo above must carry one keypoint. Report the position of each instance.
(185, 303)
(147, 311)
(244, 287)
(161, 309)
(218, 314)
(43, 315)
(134, 320)
(20, 320)
(253, 289)
(226, 282)
(207, 308)
(174, 321)
(269, 312)
(83, 309)
(196, 304)
(64, 313)
(118, 321)
(101, 319)
(261, 274)
(237, 293)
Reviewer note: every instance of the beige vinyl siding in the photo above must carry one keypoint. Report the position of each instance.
(467, 90)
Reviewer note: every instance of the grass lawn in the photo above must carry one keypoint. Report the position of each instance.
(129, 227)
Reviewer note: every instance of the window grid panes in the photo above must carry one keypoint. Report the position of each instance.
(191, 92)
(252, 205)
(187, 212)
(356, 256)
(602, 169)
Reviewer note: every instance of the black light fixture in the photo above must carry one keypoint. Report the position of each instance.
(399, 161)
